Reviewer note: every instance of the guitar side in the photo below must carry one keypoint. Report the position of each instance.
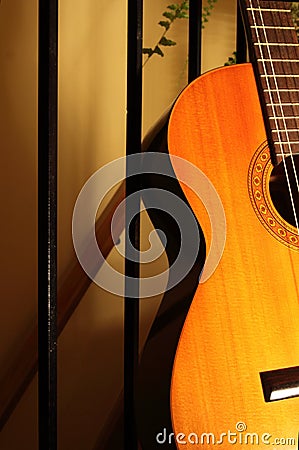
(244, 319)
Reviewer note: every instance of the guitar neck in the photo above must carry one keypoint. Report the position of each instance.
(274, 53)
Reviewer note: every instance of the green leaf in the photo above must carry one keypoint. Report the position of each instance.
(148, 51)
(173, 7)
(165, 24)
(166, 42)
(158, 51)
(182, 15)
(169, 15)
(231, 60)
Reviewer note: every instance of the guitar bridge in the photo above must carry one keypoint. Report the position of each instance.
(280, 384)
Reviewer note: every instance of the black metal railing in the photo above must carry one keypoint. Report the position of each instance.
(47, 212)
(47, 223)
(132, 269)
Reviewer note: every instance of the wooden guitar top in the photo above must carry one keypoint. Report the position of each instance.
(244, 320)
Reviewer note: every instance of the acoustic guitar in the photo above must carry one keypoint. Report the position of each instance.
(235, 381)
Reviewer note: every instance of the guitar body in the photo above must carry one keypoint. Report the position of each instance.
(244, 319)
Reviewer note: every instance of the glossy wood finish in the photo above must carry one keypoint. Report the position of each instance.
(245, 319)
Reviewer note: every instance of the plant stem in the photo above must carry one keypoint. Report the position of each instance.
(149, 56)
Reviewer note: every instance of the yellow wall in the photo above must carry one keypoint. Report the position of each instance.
(92, 102)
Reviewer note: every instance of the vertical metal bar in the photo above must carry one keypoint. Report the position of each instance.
(133, 145)
(195, 17)
(241, 45)
(47, 223)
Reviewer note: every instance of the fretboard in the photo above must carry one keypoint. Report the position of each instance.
(274, 53)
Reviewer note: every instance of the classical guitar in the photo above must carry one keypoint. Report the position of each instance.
(235, 379)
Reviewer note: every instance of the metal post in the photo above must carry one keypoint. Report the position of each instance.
(195, 16)
(133, 145)
(47, 223)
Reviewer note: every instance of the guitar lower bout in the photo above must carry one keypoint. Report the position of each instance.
(244, 321)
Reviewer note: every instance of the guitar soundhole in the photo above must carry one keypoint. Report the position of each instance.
(284, 189)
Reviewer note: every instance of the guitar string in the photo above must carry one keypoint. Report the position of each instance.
(282, 115)
(274, 111)
(278, 94)
(275, 117)
(289, 143)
